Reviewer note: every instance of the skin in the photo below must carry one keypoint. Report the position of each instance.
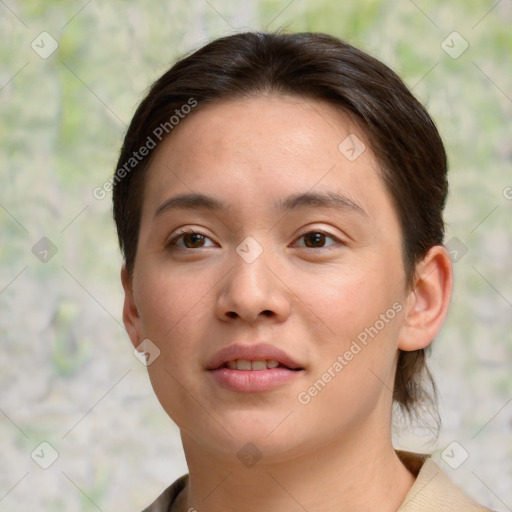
(335, 452)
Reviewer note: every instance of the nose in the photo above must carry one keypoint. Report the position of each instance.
(253, 291)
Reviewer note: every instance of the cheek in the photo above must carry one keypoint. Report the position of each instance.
(175, 312)
(168, 299)
(361, 314)
(349, 301)
(354, 368)
(173, 317)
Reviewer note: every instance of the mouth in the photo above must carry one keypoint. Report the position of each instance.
(256, 357)
(253, 368)
(246, 365)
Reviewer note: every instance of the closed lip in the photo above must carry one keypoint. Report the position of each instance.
(256, 352)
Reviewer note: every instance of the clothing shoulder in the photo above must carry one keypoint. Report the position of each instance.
(434, 491)
(165, 501)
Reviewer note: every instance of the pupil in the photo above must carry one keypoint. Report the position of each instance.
(194, 238)
(316, 238)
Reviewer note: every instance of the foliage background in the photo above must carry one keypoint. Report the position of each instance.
(67, 373)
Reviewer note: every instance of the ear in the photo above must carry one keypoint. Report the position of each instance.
(428, 300)
(131, 318)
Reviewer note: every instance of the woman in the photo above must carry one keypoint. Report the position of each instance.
(278, 201)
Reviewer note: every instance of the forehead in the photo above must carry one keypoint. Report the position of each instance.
(264, 148)
(282, 125)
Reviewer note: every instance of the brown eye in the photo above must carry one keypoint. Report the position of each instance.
(193, 240)
(317, 240)
(188, 240)
(314, 239)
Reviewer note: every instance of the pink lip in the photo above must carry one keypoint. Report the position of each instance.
(251, 381)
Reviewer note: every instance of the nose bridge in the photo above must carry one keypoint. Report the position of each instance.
(252, 288)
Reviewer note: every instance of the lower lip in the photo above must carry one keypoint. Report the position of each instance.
(251, 381)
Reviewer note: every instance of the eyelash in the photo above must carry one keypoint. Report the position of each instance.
(172, 243)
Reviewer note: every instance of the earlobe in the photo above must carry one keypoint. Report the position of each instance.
(428, 300)
(131, 318)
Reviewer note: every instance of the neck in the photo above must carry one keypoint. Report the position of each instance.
(340, 475)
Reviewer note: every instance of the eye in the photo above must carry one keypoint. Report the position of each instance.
(317, 239)
(188, 240)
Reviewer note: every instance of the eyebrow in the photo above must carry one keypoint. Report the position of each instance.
(195, 201)
(332, 200)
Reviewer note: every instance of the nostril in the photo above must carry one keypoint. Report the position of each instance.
(232, 314)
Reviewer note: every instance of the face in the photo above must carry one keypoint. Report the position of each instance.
(293, 259)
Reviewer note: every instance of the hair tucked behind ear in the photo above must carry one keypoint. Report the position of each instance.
(414, 385)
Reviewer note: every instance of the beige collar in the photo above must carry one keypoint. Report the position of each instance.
(433, 490)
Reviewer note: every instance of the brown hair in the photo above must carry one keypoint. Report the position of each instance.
(315, 66)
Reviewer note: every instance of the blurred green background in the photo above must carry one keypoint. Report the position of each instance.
(67, 373)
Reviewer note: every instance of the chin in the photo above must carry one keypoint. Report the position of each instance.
(247, 434)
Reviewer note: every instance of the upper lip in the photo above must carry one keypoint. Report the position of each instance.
(258, 352)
